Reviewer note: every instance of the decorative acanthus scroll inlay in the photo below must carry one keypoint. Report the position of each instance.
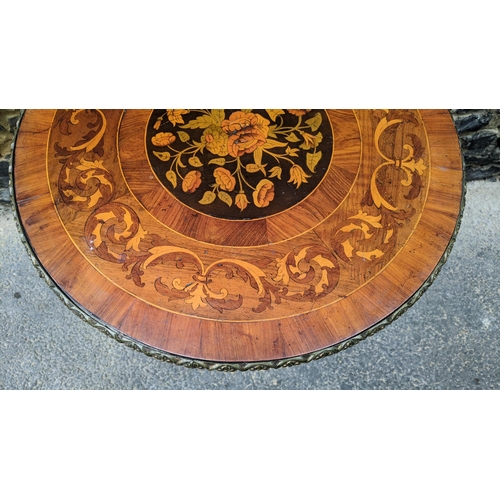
(84, 182)
(371, 235)
(307, 273)
(407, 164)
(114, 234)
(200, 292)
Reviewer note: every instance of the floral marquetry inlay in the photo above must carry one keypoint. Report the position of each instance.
(239, 235)
(239, 164)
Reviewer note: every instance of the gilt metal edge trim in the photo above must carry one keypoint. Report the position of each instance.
(143, 348)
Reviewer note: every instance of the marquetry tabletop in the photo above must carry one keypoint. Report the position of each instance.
(238, 239)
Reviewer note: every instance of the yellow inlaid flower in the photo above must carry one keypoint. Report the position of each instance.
(163, 139)
(275, 172)
(215, 140)
(297, 175)
(310, 141)
(175, 115)
(191, 182)
(246, 131)
(224, 179)
(241, 201)
(298, 112)
(264, 193)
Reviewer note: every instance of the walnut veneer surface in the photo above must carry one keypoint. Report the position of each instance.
(238, 237)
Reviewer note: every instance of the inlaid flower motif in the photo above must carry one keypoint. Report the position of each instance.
(163, 139)
(245, 152)
(298, 112)
(175, 115)
(310, 141)
(215, 140)
(297, 175)
(224, 179)
(157, 124)
(191, 182)
(264, 193)
(241, 201)
(246, 132)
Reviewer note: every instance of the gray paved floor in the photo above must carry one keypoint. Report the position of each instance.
(450, 339)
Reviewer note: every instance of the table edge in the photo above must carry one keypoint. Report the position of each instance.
(161, 355)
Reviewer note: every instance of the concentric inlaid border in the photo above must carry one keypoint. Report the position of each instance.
(227, 366)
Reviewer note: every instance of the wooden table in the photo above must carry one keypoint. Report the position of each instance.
(238, 239)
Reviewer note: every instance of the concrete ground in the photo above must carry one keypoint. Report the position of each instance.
(450, 339)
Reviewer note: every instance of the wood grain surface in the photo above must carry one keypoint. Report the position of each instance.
(233, 236)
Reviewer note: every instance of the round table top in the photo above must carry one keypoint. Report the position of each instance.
(238, 239)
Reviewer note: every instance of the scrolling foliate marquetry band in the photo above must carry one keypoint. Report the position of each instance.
(84, 182)
(306, 273)
(370, 236)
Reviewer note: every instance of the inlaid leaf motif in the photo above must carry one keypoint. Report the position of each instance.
(312, 160)
(162, 156)
(170, 175)
(271, 143)
(183, 136)
(225, 198)
(314, 122)
(373, 220)
(273, 113)
(257, 156)
(194, 161)
(136, 240)
(292, 137)
(251, 168)
(202, 121)
(419, 166)
(217, 161)
(197, 298)
(218, 116)
(208, 197)
(282, 274)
